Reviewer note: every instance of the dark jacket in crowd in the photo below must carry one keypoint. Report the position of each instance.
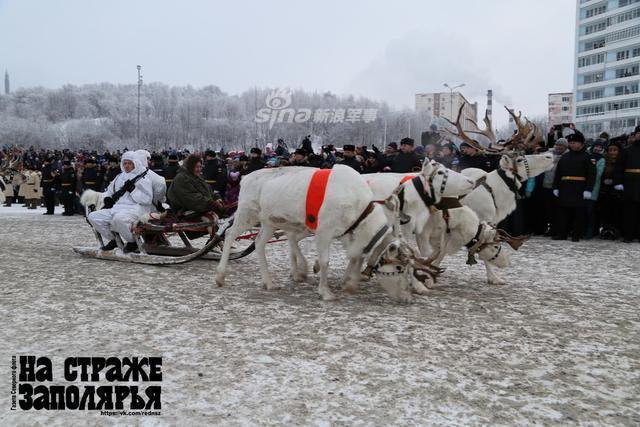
(50, 178)
(91, 179)
(627, 172)
(254, 164)
(214, 172)
(189, 192)
(575, 173)
(480, 162)
(353, 163)
(406, 162)
(169, 172)
(110, 175)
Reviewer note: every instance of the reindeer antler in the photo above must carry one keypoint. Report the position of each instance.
(523, 129)
(488, 131)
(514, 242)
(461, 134)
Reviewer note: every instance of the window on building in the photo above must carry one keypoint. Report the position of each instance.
(627, 72)
(595, 11)
(596, 27)
(593, 77)
(626, 89)
(627, 33)
(623, 3)
(565, 108)
(622, 55)
(622, 105)
(565, 99)
(585, 61)
(594, 44)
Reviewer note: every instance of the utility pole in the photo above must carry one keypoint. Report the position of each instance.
(139, 87)
(7, 88)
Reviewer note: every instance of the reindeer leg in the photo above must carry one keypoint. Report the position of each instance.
(353, 276)
(492, 278)
(298, 262)
(265, 233)
(241, 223)
(322, 245)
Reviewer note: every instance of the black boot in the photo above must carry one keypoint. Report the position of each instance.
(130, 247)
(110, 246)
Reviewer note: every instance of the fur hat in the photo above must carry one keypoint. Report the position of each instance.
(562, 141)
(407, 141)
(393, 145)
(173, 158)
(256, 150)
(348, 147)
(576, 136)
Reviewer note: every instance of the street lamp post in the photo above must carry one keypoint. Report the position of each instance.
(451, 89)
(139, 86)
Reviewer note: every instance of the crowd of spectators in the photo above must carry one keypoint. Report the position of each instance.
(539, 210)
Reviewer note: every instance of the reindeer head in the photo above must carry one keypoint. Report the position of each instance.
(444, 182)
(400, 266)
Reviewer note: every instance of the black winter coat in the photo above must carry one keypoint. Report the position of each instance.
(572, 167)
(627, 172)
(406, 162)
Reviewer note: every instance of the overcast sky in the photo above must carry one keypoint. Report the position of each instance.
(386, 50)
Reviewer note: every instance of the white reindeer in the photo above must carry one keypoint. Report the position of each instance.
(278, 199)
(496, 196)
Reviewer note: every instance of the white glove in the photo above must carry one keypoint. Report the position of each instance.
(586, 195)
(619, 187)
(608, 181)
(556, 193)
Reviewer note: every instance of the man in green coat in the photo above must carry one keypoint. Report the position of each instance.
(189, 192)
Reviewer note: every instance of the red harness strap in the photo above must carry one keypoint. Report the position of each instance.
(315, 197)
(406, 178)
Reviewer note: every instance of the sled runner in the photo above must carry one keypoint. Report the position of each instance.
(157, 240)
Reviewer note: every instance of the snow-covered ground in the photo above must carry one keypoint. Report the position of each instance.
(559, 345)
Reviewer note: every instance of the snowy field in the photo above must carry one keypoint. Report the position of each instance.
(559, 345)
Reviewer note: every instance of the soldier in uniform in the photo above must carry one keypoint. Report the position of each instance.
(572, 185)
(627, 180)
(91, 179)
(407, 160)
(68, 184)
(214, 172)
(50, 185)
(255, 161)
(349, 158)
(171, 170)
(113, 170)
(157, 164)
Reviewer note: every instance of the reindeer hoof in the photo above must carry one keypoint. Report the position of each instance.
(271, 287)
(328, 296)
(220, 280)
(299, 278)
(351, 288)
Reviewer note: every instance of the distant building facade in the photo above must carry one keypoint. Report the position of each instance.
(446, 105)
(607, 66)
(560, 108)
